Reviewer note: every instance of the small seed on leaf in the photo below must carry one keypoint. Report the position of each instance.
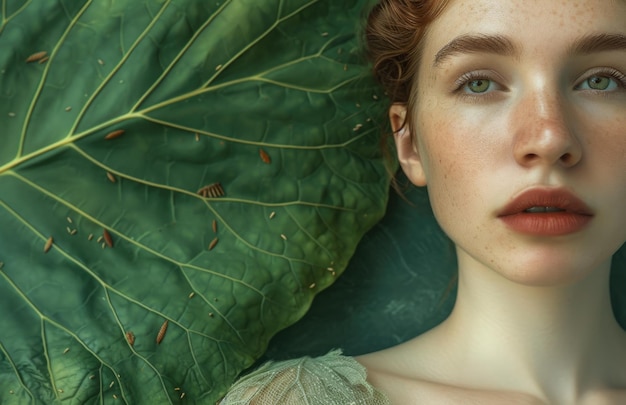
(312, 286)
(37, 56)
(161, 333)
(91, 377)
(214, 226)
(43, 60)
(112, 384)
(264, 156)
(191, 295)
(107, 238)
(48, 244)
(197, 137)
(114, 134)
(272, 214)
(111, 177)
(218, 67)
(282, 235)
(213, 243)
(100, 62)
(182, 395)
(68, 108)
(90, 237)
(67, 349)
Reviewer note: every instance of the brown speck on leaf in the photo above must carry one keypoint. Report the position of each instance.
(213, 243)
(114, 134)
(265, 157)
(37, 56)
(197, 137)
(48, 244)
(161, 333)
(130, 338)
(107, 238)
(214, 226)
(111, 177)
(212, 190)
(43, 60)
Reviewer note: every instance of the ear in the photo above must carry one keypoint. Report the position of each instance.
(406, 145)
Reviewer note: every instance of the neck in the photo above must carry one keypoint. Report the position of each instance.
(551, 341)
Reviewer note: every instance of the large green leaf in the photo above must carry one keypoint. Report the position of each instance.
(199, 88)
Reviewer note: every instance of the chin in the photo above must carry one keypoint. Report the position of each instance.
(551, 270)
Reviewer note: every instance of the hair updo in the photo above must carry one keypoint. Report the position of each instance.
(394, 36)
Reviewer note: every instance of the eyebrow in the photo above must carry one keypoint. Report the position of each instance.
(501, 45)
(471, 43)
(598, 43)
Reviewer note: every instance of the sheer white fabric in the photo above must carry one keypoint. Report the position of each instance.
(332, 379)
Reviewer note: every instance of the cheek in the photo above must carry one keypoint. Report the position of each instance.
(453, 163)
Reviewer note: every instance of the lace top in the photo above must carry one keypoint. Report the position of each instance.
(332, 379)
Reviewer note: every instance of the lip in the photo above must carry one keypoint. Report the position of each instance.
(574, 217)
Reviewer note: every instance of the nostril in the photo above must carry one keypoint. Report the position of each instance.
(567, 159)
(531, 157)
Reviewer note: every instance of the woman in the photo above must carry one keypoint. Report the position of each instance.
(513, 114)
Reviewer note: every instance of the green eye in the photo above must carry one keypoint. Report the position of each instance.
(599, 82)
(478, 85)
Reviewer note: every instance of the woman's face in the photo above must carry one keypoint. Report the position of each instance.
(522, 105)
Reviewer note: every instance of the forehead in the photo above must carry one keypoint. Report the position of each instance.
(533, 24)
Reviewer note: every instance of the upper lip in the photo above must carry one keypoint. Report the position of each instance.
(546, 197)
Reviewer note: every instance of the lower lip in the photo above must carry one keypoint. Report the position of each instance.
(546, 224)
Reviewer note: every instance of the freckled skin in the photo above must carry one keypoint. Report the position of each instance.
(468, 149)
(532, 319)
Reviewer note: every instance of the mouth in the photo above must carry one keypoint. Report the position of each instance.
(539, 210)
(546, 212)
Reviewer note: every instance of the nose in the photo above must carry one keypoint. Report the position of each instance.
(545, 132)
